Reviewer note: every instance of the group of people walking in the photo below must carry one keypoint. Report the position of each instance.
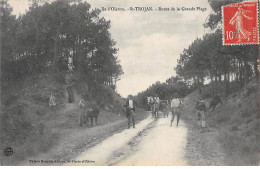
(154, 104)
(173, 105)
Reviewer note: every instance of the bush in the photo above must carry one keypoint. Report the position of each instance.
(15, 123)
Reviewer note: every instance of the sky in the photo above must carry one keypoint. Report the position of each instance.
(149, 42)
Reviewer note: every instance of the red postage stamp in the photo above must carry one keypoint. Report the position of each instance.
(240, 23)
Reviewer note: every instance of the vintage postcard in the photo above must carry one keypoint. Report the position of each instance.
(129, 83)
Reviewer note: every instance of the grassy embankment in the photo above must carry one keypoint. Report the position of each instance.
(31, 127)
(233, 133)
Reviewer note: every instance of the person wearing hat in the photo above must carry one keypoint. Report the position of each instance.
(130, 107)
(156, 105)
(152, 105)
(148, 102)
(175, 104)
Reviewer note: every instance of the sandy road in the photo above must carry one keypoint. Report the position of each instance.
(153, 142)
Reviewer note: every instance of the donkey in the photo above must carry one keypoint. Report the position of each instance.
(88, 111)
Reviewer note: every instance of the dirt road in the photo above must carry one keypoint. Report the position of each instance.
(152, 142)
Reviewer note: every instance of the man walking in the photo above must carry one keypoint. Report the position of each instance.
(130, 107)
(175, 104)
(156, 105)
(152, 107)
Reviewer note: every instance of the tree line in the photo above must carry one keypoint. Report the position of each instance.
(58, 37)
(206, 61)
(165, 90)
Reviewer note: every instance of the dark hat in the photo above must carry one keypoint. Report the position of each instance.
(130, 96)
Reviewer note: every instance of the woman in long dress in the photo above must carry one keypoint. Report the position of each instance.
(237, 20)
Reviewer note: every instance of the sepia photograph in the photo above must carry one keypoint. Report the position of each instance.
(129, 83)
